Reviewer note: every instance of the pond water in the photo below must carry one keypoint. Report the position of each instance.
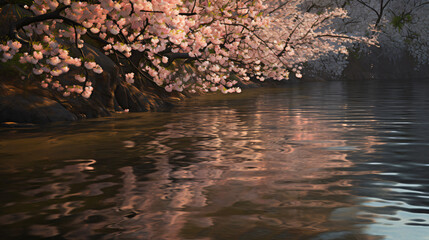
(316, 160)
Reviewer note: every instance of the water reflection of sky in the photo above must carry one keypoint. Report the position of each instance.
(314, 162)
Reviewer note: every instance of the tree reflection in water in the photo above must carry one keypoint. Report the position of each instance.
(227, 175)
(319, 162)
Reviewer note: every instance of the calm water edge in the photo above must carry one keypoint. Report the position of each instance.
(318, 160)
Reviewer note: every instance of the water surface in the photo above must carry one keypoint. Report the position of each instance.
(318, 160)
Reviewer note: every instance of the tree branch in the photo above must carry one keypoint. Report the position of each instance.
(366, 5)
(334, 36)
(16, 26)
(183, 14)
(277, 8)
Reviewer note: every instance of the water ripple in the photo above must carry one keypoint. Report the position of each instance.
(325, 160)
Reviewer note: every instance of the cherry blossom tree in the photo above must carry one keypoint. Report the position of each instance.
(197, 45)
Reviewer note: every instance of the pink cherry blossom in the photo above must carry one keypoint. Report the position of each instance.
(37, 55)
(129, 77)
(98, 69)
(80, 78)
(54, 60)
(37, 71)
(90, 65)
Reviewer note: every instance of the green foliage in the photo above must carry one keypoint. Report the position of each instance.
(355, 55)
(355, 52)
(398, 21)
(411, 37)
(13, 68)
